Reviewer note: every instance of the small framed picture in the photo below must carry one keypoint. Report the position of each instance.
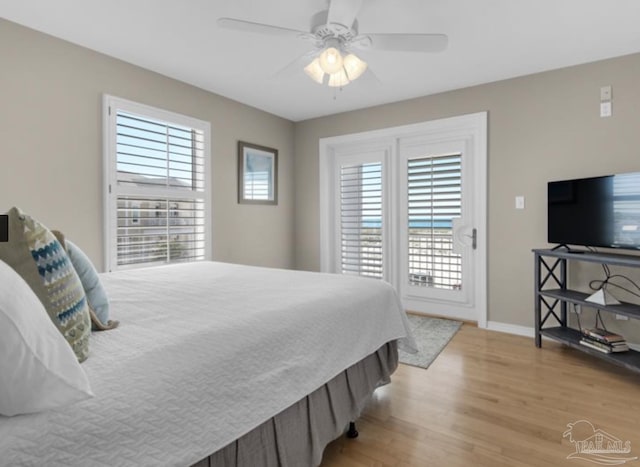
(257, 174)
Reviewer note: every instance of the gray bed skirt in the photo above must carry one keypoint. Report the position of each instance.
(297, 436)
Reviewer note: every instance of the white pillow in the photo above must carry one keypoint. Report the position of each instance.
(38, 368)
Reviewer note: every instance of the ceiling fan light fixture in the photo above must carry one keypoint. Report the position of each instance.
(338, 79)
(331, 59)
(354, 66)
(334, 33)
(314, 71)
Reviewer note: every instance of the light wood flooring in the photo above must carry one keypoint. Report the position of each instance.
(492, 399)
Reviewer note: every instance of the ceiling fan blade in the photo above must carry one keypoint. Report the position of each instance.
(409, 42)
(343, 12)
(259, 28)
(296, 66)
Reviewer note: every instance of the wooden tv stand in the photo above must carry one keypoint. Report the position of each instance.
(553, 295)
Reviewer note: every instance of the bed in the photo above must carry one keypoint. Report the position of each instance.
(220, 364)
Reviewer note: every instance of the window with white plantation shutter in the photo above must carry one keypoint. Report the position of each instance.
(361, 220)
(157, 200)
(434, 199)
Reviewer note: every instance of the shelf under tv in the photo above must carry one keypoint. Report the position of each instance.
(571, 337)
(579, 298)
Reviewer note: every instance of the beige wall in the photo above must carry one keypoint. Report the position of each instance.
(51, 145)
(541, 127)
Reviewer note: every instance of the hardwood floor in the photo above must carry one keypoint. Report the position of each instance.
(493, 399)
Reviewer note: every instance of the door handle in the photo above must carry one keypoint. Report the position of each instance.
(474, 238)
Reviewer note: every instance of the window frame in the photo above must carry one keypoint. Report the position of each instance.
(110, 107)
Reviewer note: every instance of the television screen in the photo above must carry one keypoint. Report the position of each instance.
(598, 211)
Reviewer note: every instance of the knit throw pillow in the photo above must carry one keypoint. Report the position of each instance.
(90, 279)
(37, 256)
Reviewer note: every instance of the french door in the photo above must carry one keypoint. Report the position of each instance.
(359, 229)
(408, 205)
(438, 235)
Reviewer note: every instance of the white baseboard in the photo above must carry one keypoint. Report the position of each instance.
(511, 328)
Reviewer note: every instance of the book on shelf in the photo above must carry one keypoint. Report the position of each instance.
(603, 335)
(619, 347)
(596, 345)
(604, 347)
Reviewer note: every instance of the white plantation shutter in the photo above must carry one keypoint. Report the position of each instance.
(159, 229)
(157, 182)
(434, 198)
(361, 219)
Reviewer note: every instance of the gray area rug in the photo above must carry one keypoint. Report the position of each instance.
(432, 335)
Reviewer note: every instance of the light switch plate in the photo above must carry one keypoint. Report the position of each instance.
(519, 202)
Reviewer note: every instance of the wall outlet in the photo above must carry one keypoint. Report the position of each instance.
(577, 309)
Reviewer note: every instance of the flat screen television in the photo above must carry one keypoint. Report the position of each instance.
(597, 211)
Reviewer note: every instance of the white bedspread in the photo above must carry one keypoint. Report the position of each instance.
(204, 353)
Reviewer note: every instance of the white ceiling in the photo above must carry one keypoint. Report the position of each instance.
(489, 40)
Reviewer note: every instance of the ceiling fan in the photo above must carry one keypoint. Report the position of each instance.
(334, 35)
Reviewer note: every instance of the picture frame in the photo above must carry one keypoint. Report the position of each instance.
(257, 174)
